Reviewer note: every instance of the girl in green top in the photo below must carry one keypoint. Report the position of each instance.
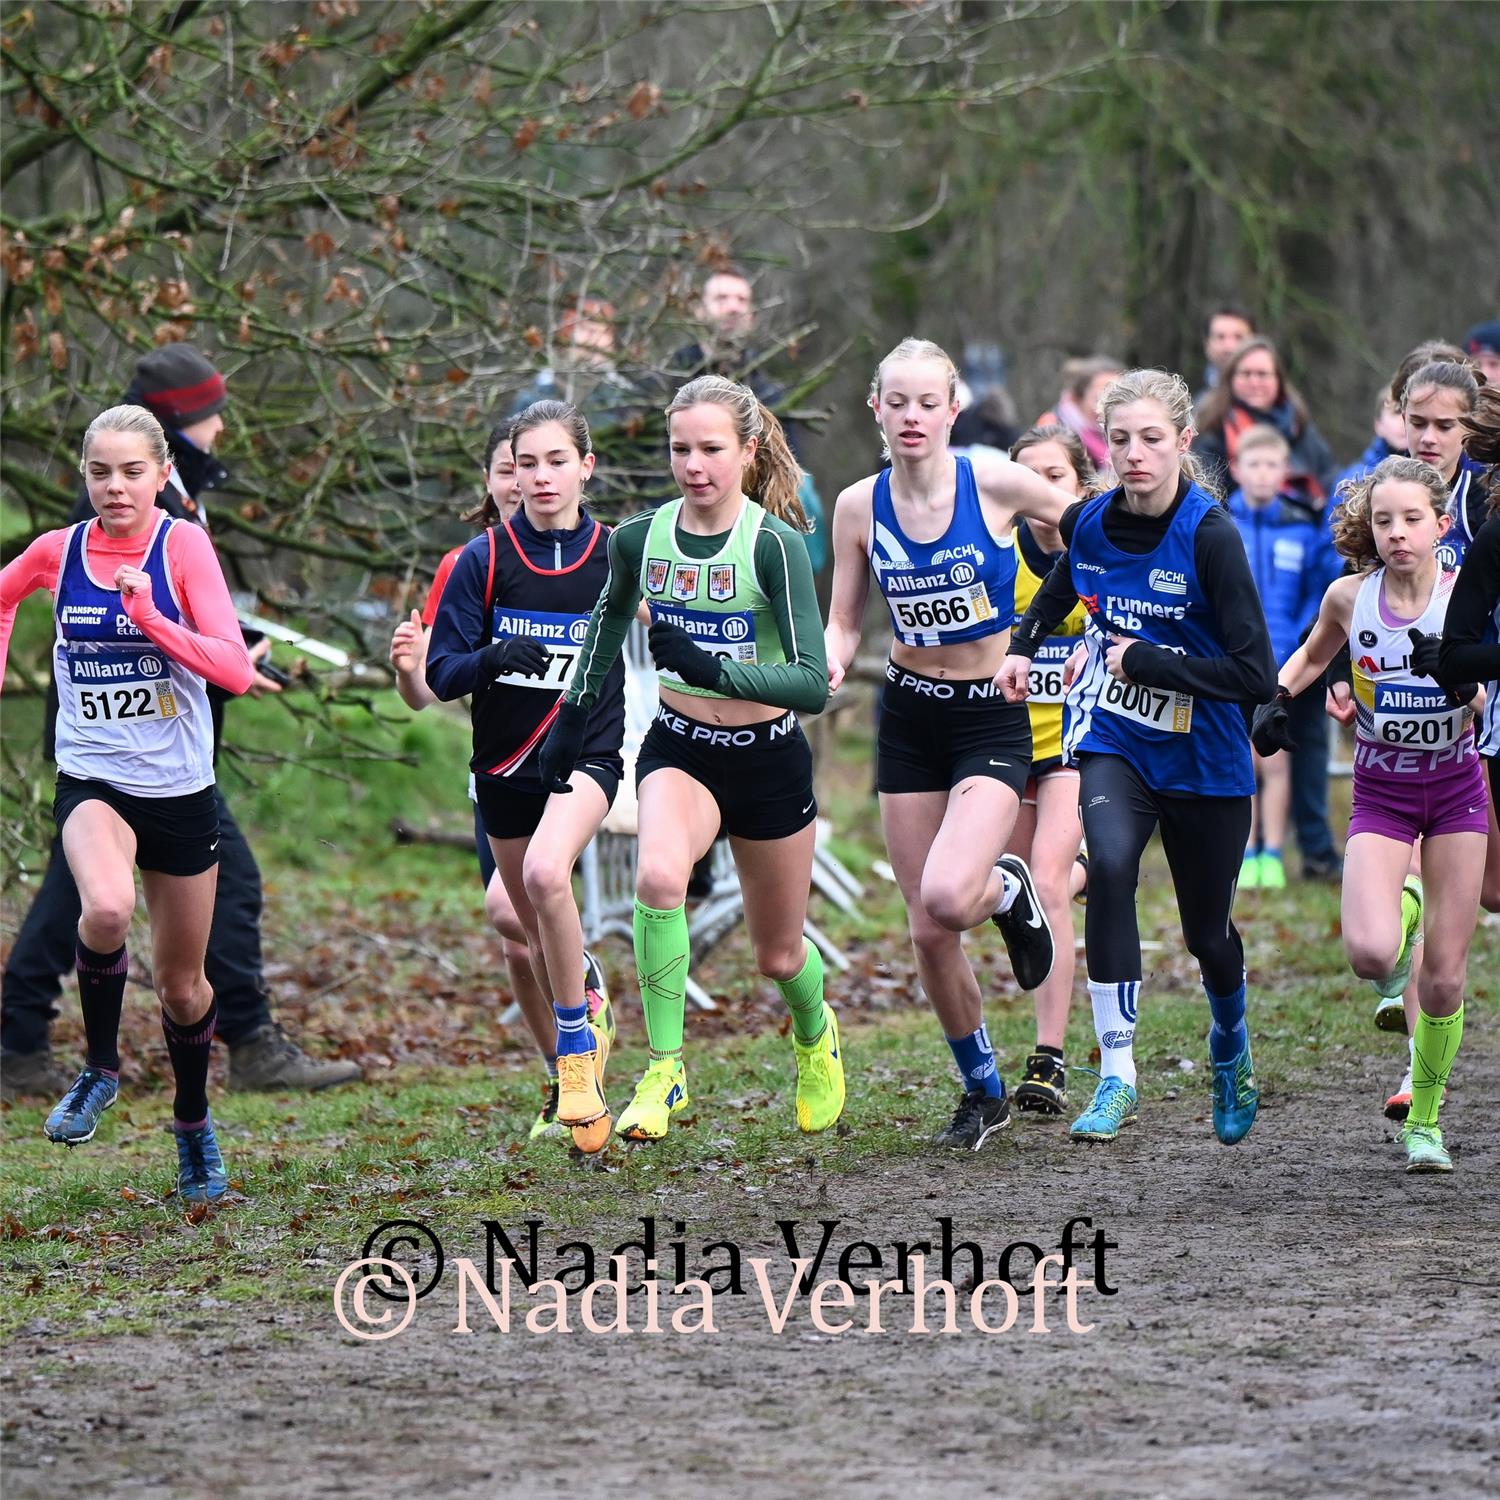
(738, 645)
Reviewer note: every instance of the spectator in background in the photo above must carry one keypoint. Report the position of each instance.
(1389, 437)
(1084, 383)
(1254, 391)
(1224, 330)
(987, 423)
(1483, 346)
(1292, 564)
(726, 306)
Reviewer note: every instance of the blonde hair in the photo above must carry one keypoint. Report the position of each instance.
(775, 476)
(1170, 392)
(1262, 436)
(133, 419)
(915, 348)
(1353, 533)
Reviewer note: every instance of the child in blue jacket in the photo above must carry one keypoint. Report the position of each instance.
(1293, 563)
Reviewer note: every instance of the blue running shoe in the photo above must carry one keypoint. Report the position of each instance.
(1236, 1098)
(1113, 1105)
(201, 1177)
(76, 1117)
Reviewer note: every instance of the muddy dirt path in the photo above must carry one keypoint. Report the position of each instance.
(1295, 1317)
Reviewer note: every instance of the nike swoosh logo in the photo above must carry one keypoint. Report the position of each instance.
(809, 806)
(1035, 919)
(215, 843)
(1000, 763)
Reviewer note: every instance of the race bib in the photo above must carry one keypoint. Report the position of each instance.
(562, 635)
(730, 636)
(1045, 683)
(112, 687)
(1419, 718)
(1153, 708)
(950, 609)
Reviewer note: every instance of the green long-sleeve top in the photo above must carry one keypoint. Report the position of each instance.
(784, 576)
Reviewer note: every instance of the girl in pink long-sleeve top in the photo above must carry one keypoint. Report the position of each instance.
(143, 618)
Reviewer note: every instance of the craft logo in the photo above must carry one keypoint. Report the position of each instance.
(1167, 581)
(656, 575)
(685, 581)
(961, 573)
(721, 582)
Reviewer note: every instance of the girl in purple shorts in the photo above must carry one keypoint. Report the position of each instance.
(1416, 769)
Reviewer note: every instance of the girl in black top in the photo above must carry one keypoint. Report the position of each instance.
(509, 630)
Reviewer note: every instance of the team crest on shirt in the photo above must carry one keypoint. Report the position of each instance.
(685, 581)
(656, 574)
(721, 582)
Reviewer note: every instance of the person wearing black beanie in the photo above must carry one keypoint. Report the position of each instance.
(187, 395)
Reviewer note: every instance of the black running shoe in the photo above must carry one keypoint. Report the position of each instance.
(1025, 928)
(979, 1116)
(1044, 1090)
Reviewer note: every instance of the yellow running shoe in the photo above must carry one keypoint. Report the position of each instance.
(580, 1096)
(820, 1077)
(661, 1092)
(1388, 1017)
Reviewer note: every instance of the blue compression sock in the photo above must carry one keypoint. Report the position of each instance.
(976, 1062)
(1227, 1037)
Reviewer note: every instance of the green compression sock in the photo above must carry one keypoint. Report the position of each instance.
(1433, 1049)
(661, 962)
(804, 997)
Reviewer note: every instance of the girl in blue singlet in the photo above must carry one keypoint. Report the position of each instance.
(953, 757)
(1176, 642)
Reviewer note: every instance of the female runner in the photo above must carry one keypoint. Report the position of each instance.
(1048, 830)
(1176, 642)
(508, 630)
(738, 648)
(408, 655)
(135, 763)
(1416, 770)
(953, 758)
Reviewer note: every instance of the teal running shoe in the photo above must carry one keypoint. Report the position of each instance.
(1236, 1098)
(1425, 1151)
(201, 1177)
(1113, 1105)
(76, 1117)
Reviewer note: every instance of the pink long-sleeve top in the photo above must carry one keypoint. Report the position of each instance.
(211, 645)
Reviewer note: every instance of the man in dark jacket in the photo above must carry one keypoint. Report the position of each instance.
(187, 395)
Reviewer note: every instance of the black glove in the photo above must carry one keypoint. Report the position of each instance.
(562, 747)
(676, 651)
(516, 653)
(1424, 653)
(1270, 729)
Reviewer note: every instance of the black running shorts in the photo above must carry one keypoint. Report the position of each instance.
(173, 835)
(759, 774)
(937, 732)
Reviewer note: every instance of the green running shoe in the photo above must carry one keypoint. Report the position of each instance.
(546, 1123)
(1272, 873)
(820, 1077)
(1411, 934)
(1113, 1105)
(1424, 1149)
(1250, 873)
(661, 1092)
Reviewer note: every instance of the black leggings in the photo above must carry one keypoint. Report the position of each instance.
(1204, 841)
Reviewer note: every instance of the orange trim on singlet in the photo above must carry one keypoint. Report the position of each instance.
(588, 552)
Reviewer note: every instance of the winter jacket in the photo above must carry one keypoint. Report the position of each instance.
(1292, 562)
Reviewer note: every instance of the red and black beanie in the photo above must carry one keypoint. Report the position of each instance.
(177, 386)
